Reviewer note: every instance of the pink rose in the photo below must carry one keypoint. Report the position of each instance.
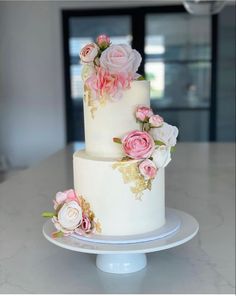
(143, 113)
(103, 41)
(166, 133)
(120, 59)
(71, 195)
(138, 145)
(89, 52)
(148, 169)
(156, 120)
(86, 224)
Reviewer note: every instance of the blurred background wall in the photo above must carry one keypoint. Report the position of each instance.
(32, 103)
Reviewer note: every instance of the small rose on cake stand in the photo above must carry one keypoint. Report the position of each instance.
(72, 215)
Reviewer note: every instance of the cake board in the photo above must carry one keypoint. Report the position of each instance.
(126, 257)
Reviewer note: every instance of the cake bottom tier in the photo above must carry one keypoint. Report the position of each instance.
(116, 207)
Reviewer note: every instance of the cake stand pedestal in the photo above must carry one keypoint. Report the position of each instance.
(122, 257)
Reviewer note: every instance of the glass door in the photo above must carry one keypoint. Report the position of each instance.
(178, 64)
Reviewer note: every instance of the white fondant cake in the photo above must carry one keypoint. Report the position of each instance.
(120, 174)
(116, 208)
(119, 179)
(114, 118)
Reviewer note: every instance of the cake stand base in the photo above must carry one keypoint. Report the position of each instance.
(121, 263)
(121, 258)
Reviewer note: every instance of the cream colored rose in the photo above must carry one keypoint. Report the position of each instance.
(120, 58)
(161, 156)
(166, 133)
(87, 71)
(89, 53)
(69, 217)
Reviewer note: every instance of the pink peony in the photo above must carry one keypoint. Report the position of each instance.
(89, 52)
(156, 120)
(138, 145)
(103, 41)
(148, 169)
(143, 113)
(86, 224)
(105, 83)
(120, 59)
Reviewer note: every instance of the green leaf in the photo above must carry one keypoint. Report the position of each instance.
(117, 140)
(159, 143)
(48, 214)
(172, 149)
(57, 234)
(141, 78)
(146, 127)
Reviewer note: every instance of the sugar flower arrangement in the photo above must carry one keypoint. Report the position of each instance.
(72, 214)
(151, 146)
(108, 69)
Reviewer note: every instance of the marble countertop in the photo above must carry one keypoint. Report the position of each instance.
(199, 180)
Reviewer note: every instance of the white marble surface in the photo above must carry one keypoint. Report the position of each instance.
(200, 181)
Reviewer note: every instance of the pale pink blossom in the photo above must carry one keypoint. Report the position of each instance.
(103, 41)
(148, 169)
(138, 145)
(60, 197)
(89, 52)
(120, 59)
(143, 113)
(156, 120)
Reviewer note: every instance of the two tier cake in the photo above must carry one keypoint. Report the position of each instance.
(119, 179)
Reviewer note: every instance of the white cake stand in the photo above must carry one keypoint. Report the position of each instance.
(126, 256)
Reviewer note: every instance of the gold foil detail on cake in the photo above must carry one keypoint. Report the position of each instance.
(130, 174)
(89, 100)
(86, 209)
(93, 104)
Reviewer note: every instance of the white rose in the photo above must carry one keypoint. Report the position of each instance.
(120, 58)
(87, 71)
(166, 133)
(69, 216)
(161, 156)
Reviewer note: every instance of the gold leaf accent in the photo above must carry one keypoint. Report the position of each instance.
(89, 100)
(92, 103)
(130, 174)
(98, 226)
(88, 212)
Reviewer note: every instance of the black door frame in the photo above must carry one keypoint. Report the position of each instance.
(138, 26)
